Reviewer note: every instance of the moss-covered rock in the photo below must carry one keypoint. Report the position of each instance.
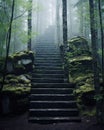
(16, 84)
(79, 61)
(78, 46)
(16, 92)
(80, 65)
(18, 63)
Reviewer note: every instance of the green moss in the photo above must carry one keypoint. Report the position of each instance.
(80, 58)
(78, 39)
(15, 89)
(13, 81)
(88, 78)
(84, 88)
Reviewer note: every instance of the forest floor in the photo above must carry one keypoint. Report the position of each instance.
(20, 122)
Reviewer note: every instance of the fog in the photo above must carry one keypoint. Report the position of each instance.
(47, 20)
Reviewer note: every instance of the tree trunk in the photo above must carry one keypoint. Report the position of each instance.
(65, 22)
(65, 39)
(102, 45)
(8, 43)
(94, 41)
(58, 21)
(102, 38)
(29, 25)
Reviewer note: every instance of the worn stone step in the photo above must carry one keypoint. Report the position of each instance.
(47, 49)
(48, 64)
(48, 58)
(51, 90)
(41, 55)
(36, 75)
(46, 46)
(47, 53)
(48, 80)
(39, 69)
(53, 85)
(47, 120)
(48, 61)
(48, 71)
(52, 104)
(52, 97)
(53, 112)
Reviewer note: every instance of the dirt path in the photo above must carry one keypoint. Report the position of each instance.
(21, 123)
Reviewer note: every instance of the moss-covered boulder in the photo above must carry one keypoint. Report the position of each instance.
(80, 65)
(17, 85)
(18, 63)
(23, 61)
(15, 93)
(79, 62)
(78, 46)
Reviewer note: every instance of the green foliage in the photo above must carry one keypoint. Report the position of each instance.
(19, 26)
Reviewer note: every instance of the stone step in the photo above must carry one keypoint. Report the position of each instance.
(45, 71)
(37, 75)
(53, 48)
(51, 90)
(46, 45)
(51, 100)
(52, 104)
(53, 85)
(47, 120)
(48, 64)
(47, 53)
(48, 80)
(53, 112)
(42, 69)
(48, 58)
(52, 97)
(48, 61)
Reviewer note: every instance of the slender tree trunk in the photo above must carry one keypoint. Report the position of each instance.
(29, 25)
(8, 43)
(65, 39)
(102, 38)
(82, 19)
(58, 21)
(102, 45)
(65, 22)
(94, 39)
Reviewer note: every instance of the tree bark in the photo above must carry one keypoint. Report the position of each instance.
(8, 44)
(58, 21)
(29, 25)
(64, 2)
(65, 22)
(102, 38)
(94, 41)
(102, 45)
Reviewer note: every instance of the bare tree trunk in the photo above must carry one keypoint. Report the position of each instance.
(94, 39)
(102, 45)
(65, 38)
(8, 44)
(58, 21)
(102, 38)
(65, 22)
(29, 25)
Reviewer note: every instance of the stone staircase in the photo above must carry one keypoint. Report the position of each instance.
(51, 99)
